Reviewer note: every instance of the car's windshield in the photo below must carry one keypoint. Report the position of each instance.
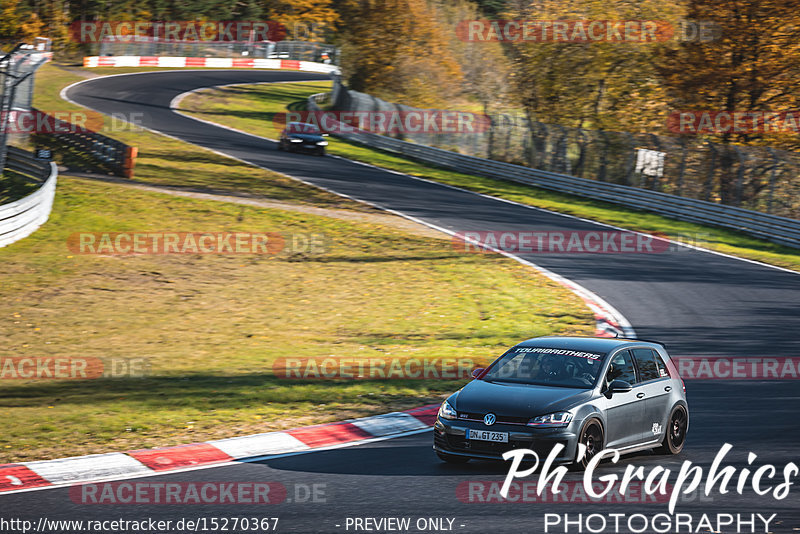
(547, 367)
(303, 128)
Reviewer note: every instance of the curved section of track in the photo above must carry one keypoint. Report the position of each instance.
(697, 302)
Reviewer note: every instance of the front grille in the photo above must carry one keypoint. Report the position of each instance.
(471, 416)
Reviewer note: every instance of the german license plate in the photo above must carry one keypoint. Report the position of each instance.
(487, 435)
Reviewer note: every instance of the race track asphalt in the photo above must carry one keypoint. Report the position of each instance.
(698, 303)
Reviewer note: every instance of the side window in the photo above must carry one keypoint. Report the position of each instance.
(663, 370)
(646, 361)
(621, 368)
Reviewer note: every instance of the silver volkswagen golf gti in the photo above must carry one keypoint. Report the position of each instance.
(615, 393)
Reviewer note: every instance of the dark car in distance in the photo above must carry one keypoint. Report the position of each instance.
(301, 136)
(615, 393)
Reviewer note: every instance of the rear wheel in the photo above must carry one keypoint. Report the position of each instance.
(592, 437)
(675, 436)
(451, 459)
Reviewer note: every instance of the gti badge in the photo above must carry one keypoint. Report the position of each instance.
(656, 429)
(489, 419)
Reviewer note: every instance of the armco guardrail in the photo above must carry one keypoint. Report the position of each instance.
(121, 158)
(770, 227)
(21, 218)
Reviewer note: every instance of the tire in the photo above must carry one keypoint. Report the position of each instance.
(593, 437)
(451, 459)
(675, 436)
(320, 152)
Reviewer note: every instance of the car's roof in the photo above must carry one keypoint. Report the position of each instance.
(590, 344)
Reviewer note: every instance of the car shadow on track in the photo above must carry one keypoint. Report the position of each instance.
(406, 456)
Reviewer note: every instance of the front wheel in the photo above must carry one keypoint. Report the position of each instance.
(676, 432)
(592, 437)
(320, 152)
(451, 459)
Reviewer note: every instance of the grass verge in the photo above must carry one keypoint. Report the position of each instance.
(211, 326)
(251, 108)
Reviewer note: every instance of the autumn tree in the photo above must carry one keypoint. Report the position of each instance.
(31, 27)
(485, 66)
(306, 20)
(752, 65)
(594, 84)
(10, 20)
(398, 50)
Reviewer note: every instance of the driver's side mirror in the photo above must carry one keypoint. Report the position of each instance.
(477, 372)
(618, 386)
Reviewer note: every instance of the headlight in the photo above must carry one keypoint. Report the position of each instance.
(322, 143)
(446, 411)
(295, 140)
(551, 420)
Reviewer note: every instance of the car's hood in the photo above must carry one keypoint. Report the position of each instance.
(516, 400)
(306, 137)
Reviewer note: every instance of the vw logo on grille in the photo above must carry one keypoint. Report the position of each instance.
(489, 419)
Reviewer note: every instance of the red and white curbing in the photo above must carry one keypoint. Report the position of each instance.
(30, 475)
(209, 62)
(608, 321)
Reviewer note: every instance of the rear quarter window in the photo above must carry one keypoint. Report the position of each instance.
(663, 370)
(650, 364)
